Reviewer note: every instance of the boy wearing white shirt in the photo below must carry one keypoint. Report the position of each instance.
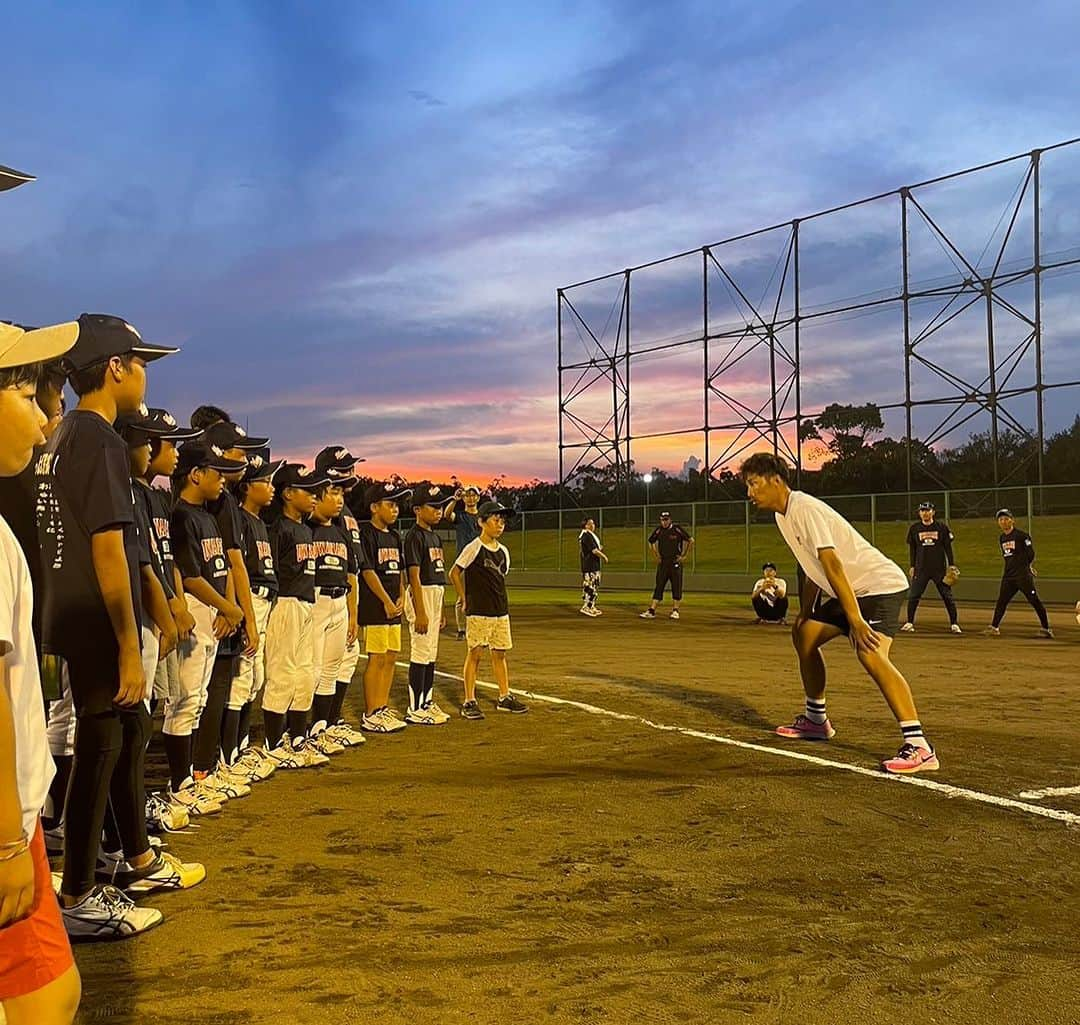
(769, 597)
(850, 589)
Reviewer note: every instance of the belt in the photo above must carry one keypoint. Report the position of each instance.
(332, 592)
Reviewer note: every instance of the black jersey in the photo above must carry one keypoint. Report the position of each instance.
(294, 559)
(1018, 550)
(485, 572)
(590, 545)
(381, 554)
(226, 510)
(198, 547)
(17, 500)
(670, 541)
(161, 506)
(258, 553)
(144, 518)
(335, 559)
(83, 488)
(930, 547)
(424, 549)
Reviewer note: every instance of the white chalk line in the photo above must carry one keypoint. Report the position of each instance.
(1038, 795)
(945, 789)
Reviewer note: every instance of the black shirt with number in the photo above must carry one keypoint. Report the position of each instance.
(294, 559)
(335, 558)
(226, 511)
(258, 553)
(198, 547)
(161, 507)
(485, 572)
(1018, 550)
(669, 541)
(83, 488)
(144, 510)
(590, 545)
(930, 547)
(380, 553)
(423, 548)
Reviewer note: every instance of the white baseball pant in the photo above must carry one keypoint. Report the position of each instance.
(150, 648)
(330, 631)
(184, 709)
(251, 674)
(424, 648)
(290, 667)
(60, 731)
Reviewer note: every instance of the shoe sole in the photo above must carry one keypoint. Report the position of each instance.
(112, 937)
(806, 736)
(513, 711)
(924, 767)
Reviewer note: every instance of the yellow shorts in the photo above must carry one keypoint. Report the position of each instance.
(378, 640)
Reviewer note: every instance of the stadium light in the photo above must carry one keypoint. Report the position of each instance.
(648, 480)
(12, 179)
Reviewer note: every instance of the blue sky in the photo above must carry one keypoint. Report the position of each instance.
(353, 217)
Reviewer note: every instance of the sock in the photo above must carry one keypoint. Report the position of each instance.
(298, 724)
(243, 732)
(416, 686)
(913, 734)
(341, 688)
(58, 791)
(320, 712)
(275, 728)
(429, 683)
(815, 711)
(230, 735)
(178, 753)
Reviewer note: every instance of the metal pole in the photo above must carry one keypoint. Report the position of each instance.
(798, 371)
(907, 331)
(644, 539)
(991, 355)
(1037, 254)
(558, 335)
(705, 348)
(693, 534)
(524, 534)
(626, 384)
(1029, 490)
(746, 524)
(873, 519)
(558, 543)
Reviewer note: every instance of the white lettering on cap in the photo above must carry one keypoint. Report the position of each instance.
(143, 411)
(303, 472)
(256, 461)
(341, 453)
(132, 330)
(239, 431)
(168, 418)
(217, 451)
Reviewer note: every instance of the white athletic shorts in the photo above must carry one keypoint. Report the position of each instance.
(424, 648)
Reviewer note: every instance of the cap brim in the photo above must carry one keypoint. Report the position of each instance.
(181, 434)
(41, 345)
(267, 471)
(311, 485)
(435, 504)
(224, 465)
(12, 179)
(248, 442)
(148, 353)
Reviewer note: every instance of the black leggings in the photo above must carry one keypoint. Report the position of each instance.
(205, 754)
(110, 749)
(668, 572)
(770, 613)
(1026, 587)
(919, 584)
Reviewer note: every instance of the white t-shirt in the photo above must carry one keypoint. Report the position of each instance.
(34, 766)
(779, 590)
(809, 524)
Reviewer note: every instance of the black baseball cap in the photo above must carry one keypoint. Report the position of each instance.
(665, 516)
(259, 468)
(297, 475)
(102, 336)
(926, 507)
(390, 491)
(1004, 512)
(12, 179)
(226, 435)
(336, 461)
(153, 423)
(198, 455)
(768, 565)
(487, 509)
(431, 494)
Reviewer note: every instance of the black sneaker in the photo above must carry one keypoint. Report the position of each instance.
(511, 704)
(461, 635)
(471, 710)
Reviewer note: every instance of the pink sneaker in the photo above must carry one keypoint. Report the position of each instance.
(912, 759)
(803, 729)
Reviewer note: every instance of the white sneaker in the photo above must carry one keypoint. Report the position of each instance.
(437, 713)
(326, 744)
(420, 717)
(346, 734)
(164, 814)
(674, 613)
(198, 799)
(992, 631)
(393, 714)
(255, 765)
(106, 914)
(585, 610)
(309, 755)
(381, 721)
(955, 629)
(907, 628)
(284, 755)
(225, 783)
(596, 612)
(170, 873)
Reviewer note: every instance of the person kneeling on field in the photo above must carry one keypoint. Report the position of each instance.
(769, 597)
(479, 577)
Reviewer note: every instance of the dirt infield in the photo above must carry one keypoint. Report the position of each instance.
(570, 867)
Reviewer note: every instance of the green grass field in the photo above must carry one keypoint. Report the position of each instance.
(723, 548)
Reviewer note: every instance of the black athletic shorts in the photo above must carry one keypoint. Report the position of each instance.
(881, 611)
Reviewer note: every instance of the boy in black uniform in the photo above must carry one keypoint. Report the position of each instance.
(426, 571)
(334, 624)
(338, 463)
(930, 546)
(290, 670)
(256, 492)
(1018, 551)
(381, 603)
(91, 618)
(670, 545)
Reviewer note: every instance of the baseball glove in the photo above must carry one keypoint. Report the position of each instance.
(952, 574)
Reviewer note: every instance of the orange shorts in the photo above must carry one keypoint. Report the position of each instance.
(35, 951)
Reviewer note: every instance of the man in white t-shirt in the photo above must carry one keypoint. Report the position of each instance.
(38, 979)
(769, 597)
(849, 588)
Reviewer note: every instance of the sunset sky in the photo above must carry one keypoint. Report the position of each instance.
(353, 217)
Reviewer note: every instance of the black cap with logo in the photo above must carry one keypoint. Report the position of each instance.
(431, 494)
(102, 336)
(153, 423)
(390, 491)
(226, 435)
(487, 509)
(259, 468)
(297, 475)
(198, 455)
